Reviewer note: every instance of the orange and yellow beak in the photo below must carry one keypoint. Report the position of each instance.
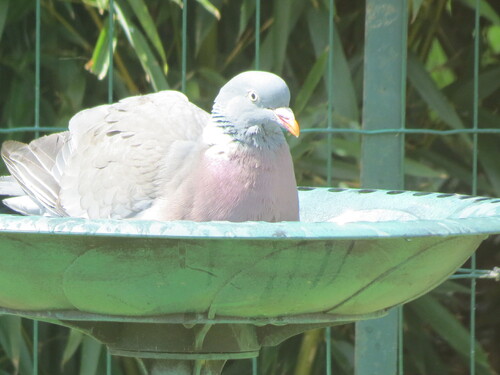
(287, 120)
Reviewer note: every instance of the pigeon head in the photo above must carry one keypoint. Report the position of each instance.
(253, 107)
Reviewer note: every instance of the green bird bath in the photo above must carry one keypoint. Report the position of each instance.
(185, 297)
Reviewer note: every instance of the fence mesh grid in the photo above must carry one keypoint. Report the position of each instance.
(395, 129)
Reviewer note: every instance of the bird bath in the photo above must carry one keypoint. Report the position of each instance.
(185, 296)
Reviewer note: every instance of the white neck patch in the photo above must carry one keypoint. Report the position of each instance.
(214, 135)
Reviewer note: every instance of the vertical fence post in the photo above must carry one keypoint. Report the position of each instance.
(257, 35)
(329, 145)
(38, 17)
(37, 65)
(376, 351)
(111, 50)
(110, 100)
(475, 125)
(184, 45)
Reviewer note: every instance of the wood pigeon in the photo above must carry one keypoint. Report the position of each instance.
(160, 157)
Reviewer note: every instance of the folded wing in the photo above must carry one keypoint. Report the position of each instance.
(114, 160)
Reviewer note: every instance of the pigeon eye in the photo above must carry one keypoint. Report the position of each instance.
(253, 96)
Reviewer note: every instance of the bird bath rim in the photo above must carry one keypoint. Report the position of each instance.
(317, 254)
(472, 215)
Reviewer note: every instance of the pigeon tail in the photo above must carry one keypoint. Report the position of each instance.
(31, 166)
(10, 187)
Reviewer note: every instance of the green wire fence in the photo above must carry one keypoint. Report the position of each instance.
(382, 128)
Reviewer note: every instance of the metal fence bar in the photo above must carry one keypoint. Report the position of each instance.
(376, 136)
(254, 366)
(329, 145)
(402, 131)
(329, 139)
(328, 350)
(108, 363)
(37, 66)
(50, 129)
(110, 47)
(400, 341)
(475, 135)
(184, 45)
(402, 93)
(35, 347)
(383, 105)
(37, 134)
(111, 15)
(257, 34)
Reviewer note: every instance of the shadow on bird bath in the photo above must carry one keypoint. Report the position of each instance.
(185, 296)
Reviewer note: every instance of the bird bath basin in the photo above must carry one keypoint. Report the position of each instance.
(187, 296)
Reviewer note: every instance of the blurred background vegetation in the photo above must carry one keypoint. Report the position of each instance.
(294, 43)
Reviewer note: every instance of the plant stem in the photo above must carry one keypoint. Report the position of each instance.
(307, 352)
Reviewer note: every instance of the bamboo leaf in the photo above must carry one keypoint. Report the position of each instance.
(141, 11)
(11, 337)
(247, 10)
(91, 355)
(344, 94)
(16, 110)
(485, 9)
(214, 77)
(343, 354)
(71, 85)
(74, 341)
(422, 356)
(281, 30)
(26, 361)
(4, 8)
(436, 64)
(419, 169)
(18, 10)
(311, 82)
(273, 50)
(310, 342)
(206, 39)
(450, 329)
(142, 50)
(454, 166)
(462, 91)
(450, 287)
(415, 8)
(488, 150)
(99, 63)
(102, 5)
(210, 8)
(493, 36)
(13, 344)
(429, 92)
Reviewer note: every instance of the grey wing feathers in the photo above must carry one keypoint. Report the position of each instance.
(19, 202)
(115, 172)
(31, 166)
(109, 162)
(26, 206)
(9, 186)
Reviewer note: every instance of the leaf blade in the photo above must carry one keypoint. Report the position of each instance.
(435, 98)
(4, 9)
(141, 11)
(75, 339)
(142, 50)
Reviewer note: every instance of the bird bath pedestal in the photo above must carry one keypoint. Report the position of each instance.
(185, 297)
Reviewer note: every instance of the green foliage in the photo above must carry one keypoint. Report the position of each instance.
(147, 46)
